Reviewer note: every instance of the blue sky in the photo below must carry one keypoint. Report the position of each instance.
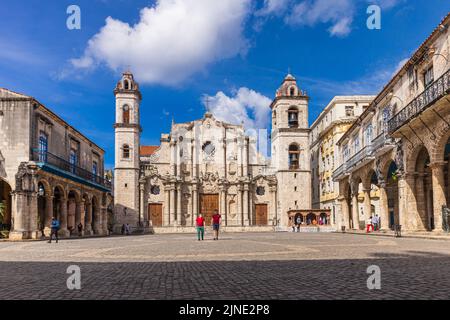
(236, 52)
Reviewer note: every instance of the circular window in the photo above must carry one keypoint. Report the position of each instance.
(155, 190)
(260, 191)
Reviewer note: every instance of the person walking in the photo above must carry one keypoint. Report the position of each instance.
(80, 229)
(54, 227)
(123, 229)
(216, 218)
(200, 222)
(298, 223)
(127, 229)
(369, 224)
(376, 223)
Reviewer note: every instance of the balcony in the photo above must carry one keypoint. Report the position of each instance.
(428, 97)
(382, 143)
(50, 162)
(361, 157)
(340, 172)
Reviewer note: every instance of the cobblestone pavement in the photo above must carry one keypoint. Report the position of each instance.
(239, 266)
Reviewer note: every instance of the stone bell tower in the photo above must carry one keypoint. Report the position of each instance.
(127, 135)
(290, 148)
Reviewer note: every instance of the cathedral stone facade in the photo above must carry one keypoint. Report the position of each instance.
(207, 164)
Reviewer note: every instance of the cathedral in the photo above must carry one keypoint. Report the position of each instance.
(207, 164)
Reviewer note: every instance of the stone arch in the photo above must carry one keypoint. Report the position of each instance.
(48, 190)
(6, 205)
(438, 149)
(96, 219)
(412, 155)
(423, 191)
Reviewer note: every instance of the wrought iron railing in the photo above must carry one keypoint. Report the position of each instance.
(382, 140)
(62, 164)
(360, 155)
(339, 171)
(435, 91)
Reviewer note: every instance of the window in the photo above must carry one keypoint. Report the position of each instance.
(356, 144)
(260, 191)
(126, 151)
(293, 117)
(73, 159)
(349, 111)
(126, 85)
(346, 153)
(155, 190)
(209, 148)
(412, 78)
(428, 77)
(126, 114)
(369, 134)
(294, 152)
(43, 147)
(292, 91)
(274, 118)
(94, 168)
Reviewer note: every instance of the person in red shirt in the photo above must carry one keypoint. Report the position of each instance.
(200, 222)
(216, 223)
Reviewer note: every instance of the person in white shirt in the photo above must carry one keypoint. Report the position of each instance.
(376, 223)
(369, 224)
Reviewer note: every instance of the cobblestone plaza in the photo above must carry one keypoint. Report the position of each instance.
(239, 266)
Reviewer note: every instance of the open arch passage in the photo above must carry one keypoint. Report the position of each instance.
(424, 191)
(5, 208)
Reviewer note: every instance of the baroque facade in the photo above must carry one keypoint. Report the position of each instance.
(326, 130)
(207, 164)
(399, 147)
(47, 169)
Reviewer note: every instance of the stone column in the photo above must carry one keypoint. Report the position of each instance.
(273, 215)
(104, 225)
(245, 206)
(367, 203)
(179, 213)
(88, 218)
(142, 216)
(195, 210)
(355, 213)
(439, 199)
(166, 218)
(223, 204)
(405, 191)
(384, 207)
(63, 232)
(418, 212)
(77, 215)
(345, 214)
(239, 211)
(172, 205)
(245, 158)
(48, 214)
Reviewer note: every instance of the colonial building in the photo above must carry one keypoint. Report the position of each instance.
(207, 164)
(327, 129)
(399, 147)
(47, 169)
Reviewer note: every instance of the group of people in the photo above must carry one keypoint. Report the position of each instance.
(55, 226)
(126, 229)
(373, 222)
(215, 221)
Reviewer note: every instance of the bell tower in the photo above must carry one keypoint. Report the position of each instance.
(290, 148)
(127, 135)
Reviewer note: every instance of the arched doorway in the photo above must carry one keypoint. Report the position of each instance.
(72, 211)
(392, 195)
(424, 190)
(5, 209)
(42, 207)
(311, 218)
(95, 216)
(58, 202)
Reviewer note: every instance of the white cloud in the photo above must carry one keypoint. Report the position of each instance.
(338, 13)
(273, 7)
(245, 106)
(173, 39)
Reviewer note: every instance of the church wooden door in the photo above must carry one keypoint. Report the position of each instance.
(208, 203)
(155, 214)
(261, 214)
